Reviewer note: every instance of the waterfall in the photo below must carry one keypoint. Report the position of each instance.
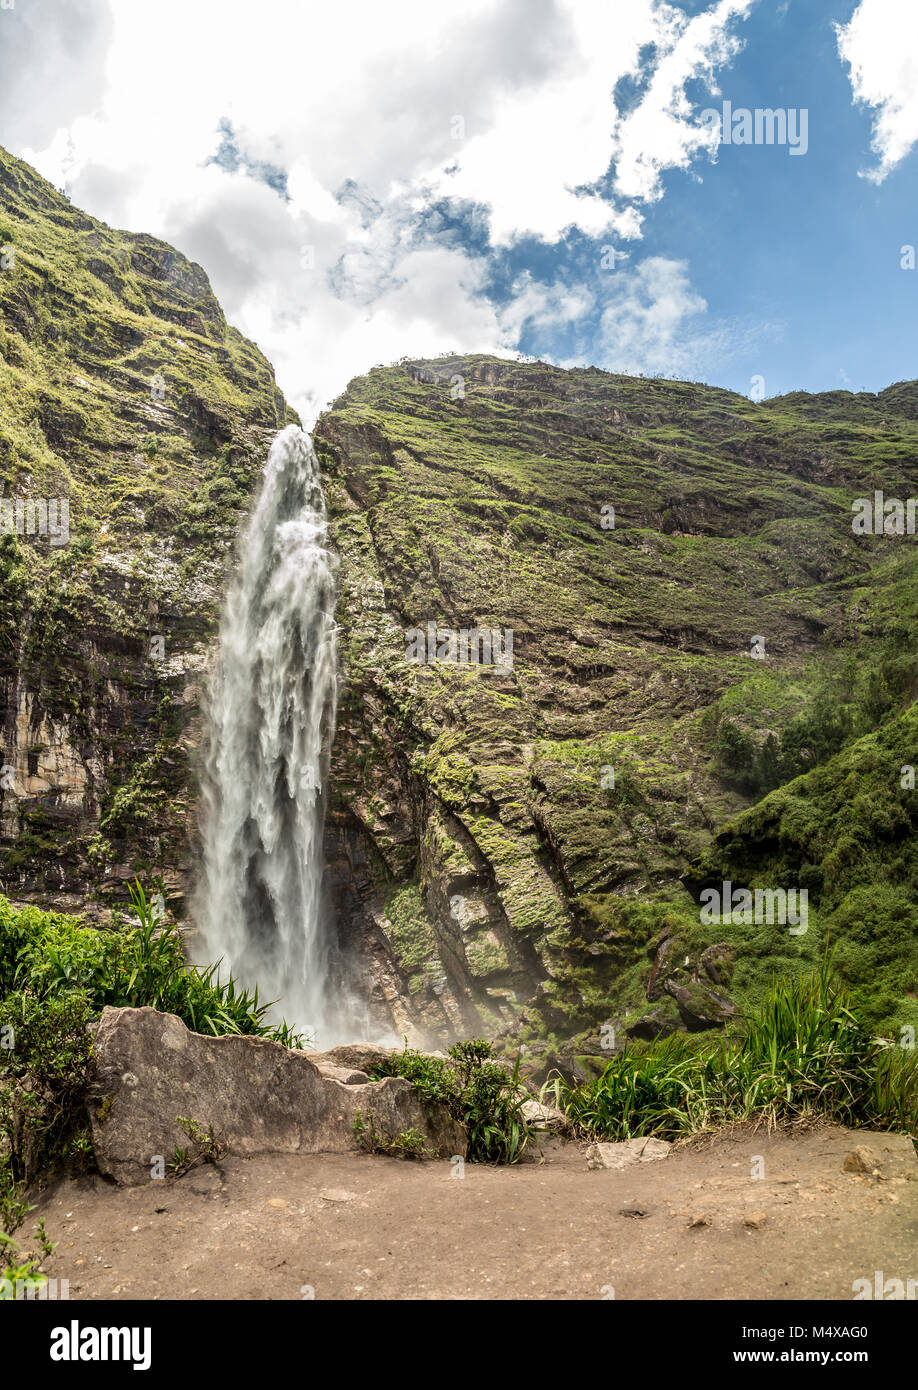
(271, 714)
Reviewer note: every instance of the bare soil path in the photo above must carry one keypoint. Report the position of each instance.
(355, 1227)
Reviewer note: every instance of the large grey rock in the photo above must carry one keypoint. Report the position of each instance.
(625, 1154)
(148, 1069)
(356, 1056)
(545, 1117)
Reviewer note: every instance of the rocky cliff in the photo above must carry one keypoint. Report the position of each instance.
(696, 629)
(712, 672)
(133, 429)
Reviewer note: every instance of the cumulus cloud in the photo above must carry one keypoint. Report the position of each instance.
(351, 174)
(650, 322)
(880, 45)
(660, 132)
(52, 66)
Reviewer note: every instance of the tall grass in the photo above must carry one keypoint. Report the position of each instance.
(45, 954)
(804, 1054)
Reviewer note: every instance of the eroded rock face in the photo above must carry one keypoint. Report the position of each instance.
(507, 847)
(149, 1070)
(131, 403)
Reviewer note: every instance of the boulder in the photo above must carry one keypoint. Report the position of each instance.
(148, 1069)
(356, 1056)
(717, 962)
(346, 1075)
(625, 1154)
(701, 1006)
(545, 1117)
(661, 1022)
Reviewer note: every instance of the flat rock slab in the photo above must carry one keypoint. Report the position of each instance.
(545, 1117)
(148, 1070)
(625, 1154)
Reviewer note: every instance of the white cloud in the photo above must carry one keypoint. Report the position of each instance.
(662, 133)
(52, 65)
(358, 102)
(651, 322)
(548, 144)
(880, 45)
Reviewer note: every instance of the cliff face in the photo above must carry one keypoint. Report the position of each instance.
(133, 429)
(712, 674)
(523, 850)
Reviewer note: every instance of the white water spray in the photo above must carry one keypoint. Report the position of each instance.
(272, 714)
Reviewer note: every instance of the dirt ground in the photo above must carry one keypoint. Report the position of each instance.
(695, 1225)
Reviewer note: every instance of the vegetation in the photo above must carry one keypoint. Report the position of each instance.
(636, 754)
(407, 1143)
(155, 484)
(18, 1269)
(477, 1090)
(48, 955)
(206, 1147)
(804, 1056)
(56, 976)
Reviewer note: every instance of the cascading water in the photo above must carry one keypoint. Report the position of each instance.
(272, 713)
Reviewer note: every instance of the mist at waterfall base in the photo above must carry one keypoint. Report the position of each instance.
(271, 716)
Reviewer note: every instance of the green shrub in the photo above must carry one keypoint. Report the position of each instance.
(804, 1054)
(477, 1091)
(407, 1143)
(43, 1062)
(46, 953)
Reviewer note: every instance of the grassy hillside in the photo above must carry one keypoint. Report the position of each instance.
(472, 491)
(127, 397)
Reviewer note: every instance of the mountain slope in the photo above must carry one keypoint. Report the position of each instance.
(516, 851)
(483, 863)
(127, 398)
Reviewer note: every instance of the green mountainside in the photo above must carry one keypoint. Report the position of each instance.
(516, 852)
(124, 393)
(498, 866)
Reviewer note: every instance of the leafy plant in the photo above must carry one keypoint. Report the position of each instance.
(804, 1054)
(136, 964)
(13, 1207)
(17, 1268)
(48, 1246)
(42, 1078)
(407, 1143)
(477, 1091)
(205, 1147)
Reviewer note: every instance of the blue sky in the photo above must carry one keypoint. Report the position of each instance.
(798, 252)
(801, 243)
(364, 183)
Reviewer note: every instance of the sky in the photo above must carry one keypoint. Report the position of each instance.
(364, 181)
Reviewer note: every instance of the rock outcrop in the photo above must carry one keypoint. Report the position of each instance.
(519, 849)
(134, 429)
(149, 1072)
